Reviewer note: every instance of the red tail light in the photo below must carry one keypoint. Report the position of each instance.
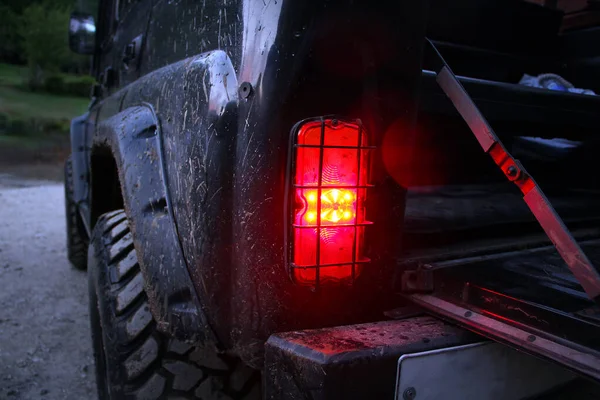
(329, 182)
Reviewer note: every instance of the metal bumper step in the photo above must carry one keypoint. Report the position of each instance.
(351, 362)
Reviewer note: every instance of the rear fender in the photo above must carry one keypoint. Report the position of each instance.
(134, 139)
(168, 131)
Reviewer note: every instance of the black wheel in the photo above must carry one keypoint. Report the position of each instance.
(76, 242)
(134, 360)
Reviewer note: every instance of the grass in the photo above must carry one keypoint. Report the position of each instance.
(32, 143)
(12, 75)
(19, 103)
(23, 106)
(15, 75)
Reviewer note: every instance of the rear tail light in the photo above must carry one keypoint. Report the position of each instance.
(327, 189)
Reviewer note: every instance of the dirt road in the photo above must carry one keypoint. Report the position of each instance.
(45, 346)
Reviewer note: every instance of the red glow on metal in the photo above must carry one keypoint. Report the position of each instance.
(330, 185)
(500, 317)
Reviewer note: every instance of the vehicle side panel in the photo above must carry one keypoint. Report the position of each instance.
(224, 157)
(133, 137)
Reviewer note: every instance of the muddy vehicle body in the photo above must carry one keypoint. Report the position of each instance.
(254, 167)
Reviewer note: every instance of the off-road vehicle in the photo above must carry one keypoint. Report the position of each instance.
(271, 196)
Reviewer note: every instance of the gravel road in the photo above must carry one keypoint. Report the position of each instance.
(45, 345)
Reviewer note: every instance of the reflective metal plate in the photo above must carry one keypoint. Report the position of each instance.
(479, 371)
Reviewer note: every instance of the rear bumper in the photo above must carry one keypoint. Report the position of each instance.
(526, 299)
(351, 362)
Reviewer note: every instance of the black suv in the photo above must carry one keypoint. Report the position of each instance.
(249, 167)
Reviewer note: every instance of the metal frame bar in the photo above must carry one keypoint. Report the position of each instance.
(333, 186)
(579, 358)
(579, 264)
(359, 156)
(365, 223)
(314, 146)
(319, 193)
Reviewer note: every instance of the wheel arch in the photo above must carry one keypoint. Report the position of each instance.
(105, 184)
(127, 172)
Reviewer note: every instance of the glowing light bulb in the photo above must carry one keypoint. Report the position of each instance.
(337, 205)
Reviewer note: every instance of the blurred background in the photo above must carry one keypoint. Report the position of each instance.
(45, 345)
(42, 86)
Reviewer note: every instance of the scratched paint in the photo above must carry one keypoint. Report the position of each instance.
(214, 256)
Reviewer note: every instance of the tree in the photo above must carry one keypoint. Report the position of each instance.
(44, 31)
(9, 37)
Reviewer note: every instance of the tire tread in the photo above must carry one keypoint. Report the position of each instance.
(146, 364)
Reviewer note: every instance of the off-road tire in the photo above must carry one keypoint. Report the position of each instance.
(134, 360)
(76, 242)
